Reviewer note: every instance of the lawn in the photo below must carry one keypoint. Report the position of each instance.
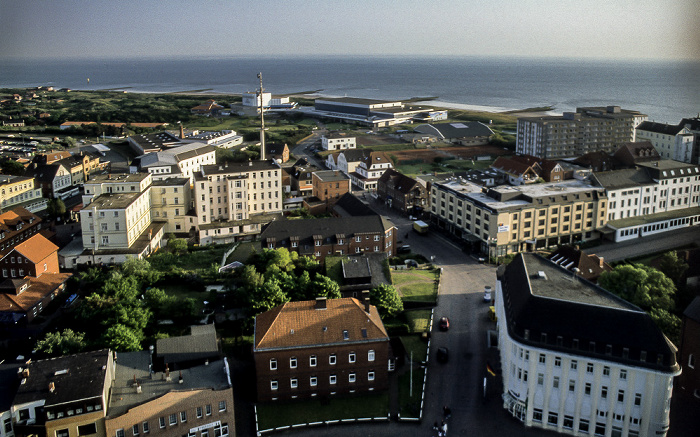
(416, 344)
(182, 292)
(415, 285)
(273, 415)
(418, 320)
(409, 400)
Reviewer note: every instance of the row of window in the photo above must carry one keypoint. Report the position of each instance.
(313, 381)
(172, 420)
(584, 424)
(313, 360)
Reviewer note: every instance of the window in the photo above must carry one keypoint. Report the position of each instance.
(606, 371)
(146, 428)
(208, 409)
(313, 381)
(351, 377)
(589, 368)
(183, 416)
(64, 432)
(572, 385)
(293, 363)
(583, 426)
(351, 357)
(199, 412)
(134, 429)
(568, 422)
(331, 359)
(540, 379)
(623, 374)
(537, 415)
(543, 359)
(173, 419)
(552, 418)
(574, 364)
(638, 399)
(370, 376)
(621, 396)
(332, 379)
(273, 364)
(222, 406)
(557, 361)
(370, 355)
(294, 383)
(599, 428)
(587, 390)
(555, 382)
(91, 428)
(120, 432)
(312, 361)
(604, 392)
(161, 422)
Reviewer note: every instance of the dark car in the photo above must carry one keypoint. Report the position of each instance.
(404, 249)
(444, 324)
(442, 354)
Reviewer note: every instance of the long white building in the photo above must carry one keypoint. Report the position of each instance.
(578, 360)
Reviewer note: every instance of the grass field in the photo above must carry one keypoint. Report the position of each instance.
(418, 320)
(409, 399)
(415, 285)
(273, 415)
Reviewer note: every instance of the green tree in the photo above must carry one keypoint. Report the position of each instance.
(323, 286)
(56, 208)
(122, 338)
(12, 167)
(673, 267)
(268, 296)
(386, 299)
(669, 323)
(141, 270)
(177, 245)
(640, 285)
(61, 343)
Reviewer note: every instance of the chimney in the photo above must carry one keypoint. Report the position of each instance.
(602, 261)
(320, 303)
(52, 387)
(182, 132)
(365, 300)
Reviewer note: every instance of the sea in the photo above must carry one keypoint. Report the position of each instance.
(664, 90)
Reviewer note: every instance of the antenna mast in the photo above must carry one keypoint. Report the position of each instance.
(262, 120)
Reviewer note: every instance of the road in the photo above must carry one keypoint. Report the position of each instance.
(458, 383)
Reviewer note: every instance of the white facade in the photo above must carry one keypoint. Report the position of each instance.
(253, 99)
(338, 143)
(678, 147)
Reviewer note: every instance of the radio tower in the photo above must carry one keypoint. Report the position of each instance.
(262, 120)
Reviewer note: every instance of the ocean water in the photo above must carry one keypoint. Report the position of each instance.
(665, 90)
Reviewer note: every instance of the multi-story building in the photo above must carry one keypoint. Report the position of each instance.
(347, 160)
(171, 200)
(671, 141)
(402, 193)
(337, 141)
(329, 186)
(224, 139)
(79, 166)
(65, 396)
(577, 133)
(578, 360)
(322, 348)
(196, 402)
(21, 191)
(504, 220)
(234, 200)
(181, 161)
(318, 238)
(369, 170)
(116, 220)
(54, 181)
(16, 226)
(653, 197)
(688, 383)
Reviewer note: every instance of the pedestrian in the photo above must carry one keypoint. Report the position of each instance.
(446, 411)
(435, 426)
(444, 428)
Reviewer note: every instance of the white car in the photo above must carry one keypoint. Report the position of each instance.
(487, 293)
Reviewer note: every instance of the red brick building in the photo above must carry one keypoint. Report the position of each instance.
(320, 348)
(329, 185)
(319, 238)
(402, 193)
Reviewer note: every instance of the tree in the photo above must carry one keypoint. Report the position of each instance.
(61, 343)
(670, 324)
(268, 296)
(673, 267)
(640, 285)
(323, 286)
(11, 167)
(56, 208)
(141, 270)
(122, 338)
(387, 300)
(177, 245)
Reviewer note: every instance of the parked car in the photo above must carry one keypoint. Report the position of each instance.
(442, 354)
(404, 249)
(444, 324)
(487, 293)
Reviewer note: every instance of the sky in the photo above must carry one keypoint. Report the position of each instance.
(617, 29)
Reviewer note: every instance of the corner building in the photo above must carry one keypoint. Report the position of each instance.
(578, 360)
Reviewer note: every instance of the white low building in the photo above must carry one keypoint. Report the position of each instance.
(578, 360)
(338, 141)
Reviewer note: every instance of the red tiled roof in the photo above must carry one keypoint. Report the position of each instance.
(38, 289)
(36, 248)
(298, 324)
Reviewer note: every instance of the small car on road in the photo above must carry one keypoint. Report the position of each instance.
(444, 324)
(442, 354)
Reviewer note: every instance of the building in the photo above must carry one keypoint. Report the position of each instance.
(578, 360)
(171, 200)
(16, 226)
(504, 219)
(329, 186)
(65, 396)
(402, 193)
(318, 238)
(347, 160)
(516, 171)
(373, 113)
(197, 348)
(79, 166)
(224, 139)
(20, 191)
(688, 383)
(671, 141)
(577, 133)
(693, 125)
(587, 266)
(208, 108)
(322, 348)
(195, 402)
(337, 141)
(269, 102)
(180, 161)
(234, 200)
(652, 197)
(301, 177)
(54, 181)
(116, 220)
(631, 154)
(142, 144)
(470, 133)
(277, 151)
(371, 167)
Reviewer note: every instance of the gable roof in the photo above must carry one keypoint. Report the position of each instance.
(326, 228)
(354, 155)
(633, 152)
(589, 266)
(36, 248)
(401, 182)
(349, 205)
(300, 324)
(661, 128)
(514, 167)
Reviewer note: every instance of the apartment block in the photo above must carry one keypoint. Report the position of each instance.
(574, 134)
(564, 373)
(370, 168)
(671, 141)
(504, 220)
(171, 201)
(320, 348)
(21, 191)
